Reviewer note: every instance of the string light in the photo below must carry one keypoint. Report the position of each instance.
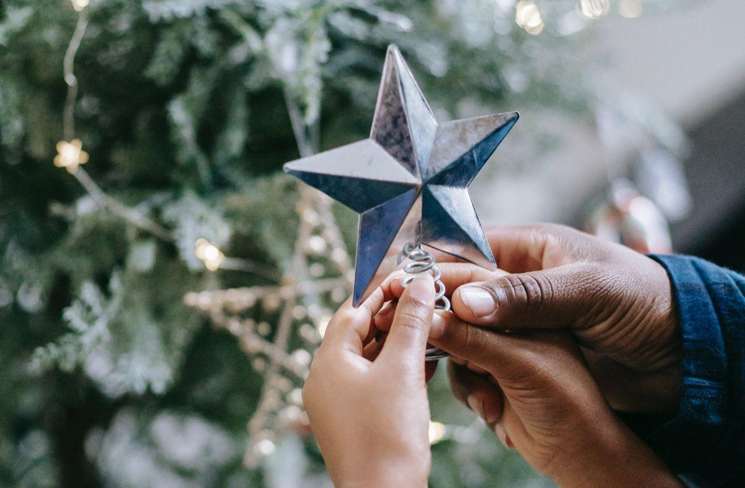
(79, 5)
(323, 325)
(437, 432)
(209, 253)
(70, 155)
(631, 9)
(316, 270)
(529, 17)
(295, 397)
(594, 9)
(265, 447)
(299, 312)
(264, 328)
(297, 306)
(317, 244)
(301, 357)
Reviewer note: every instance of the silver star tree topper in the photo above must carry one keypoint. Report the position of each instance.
(409, 180)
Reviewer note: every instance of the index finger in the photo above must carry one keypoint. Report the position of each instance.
(525, 248)
(507, 355)
(350, 326)
(453, 276)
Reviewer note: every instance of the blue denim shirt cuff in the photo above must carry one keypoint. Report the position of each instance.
(697, 442)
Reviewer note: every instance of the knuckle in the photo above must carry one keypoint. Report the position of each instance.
(411, 319)
(572, 243)
(467, 340)
(544, 230)
(532, 292)
(597, 278)
(417, 303)
(559, 229)
(597, 283)
(345, 316)
(476, 342)
(527, 374)
(610, 298)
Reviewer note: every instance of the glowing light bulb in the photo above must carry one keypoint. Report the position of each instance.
(79, 5)
(436, 432)
(594, 9)
(301, 357)
(70, 155)
(631, 9)
(317, 244)
(209, 253)
(323, 325)
(265, 448)
(529, 17)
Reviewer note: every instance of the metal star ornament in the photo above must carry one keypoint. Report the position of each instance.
(409, 180)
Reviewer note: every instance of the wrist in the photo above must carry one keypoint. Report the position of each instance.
(613, 456)
(662, 386)
(391, 474)
(373, 480)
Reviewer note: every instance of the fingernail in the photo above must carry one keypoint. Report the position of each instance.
(397, 275)
(499, 430)
(491, 405)
(422, 288)
(381, 337)
(438, 326)
(383, 317)
(457, 360)
(474, 403)
(480, 301)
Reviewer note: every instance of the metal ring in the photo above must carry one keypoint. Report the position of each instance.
(423, 262)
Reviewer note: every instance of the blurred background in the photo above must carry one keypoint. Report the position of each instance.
(163, 286)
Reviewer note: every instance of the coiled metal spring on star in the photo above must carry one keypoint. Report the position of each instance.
(424, 262)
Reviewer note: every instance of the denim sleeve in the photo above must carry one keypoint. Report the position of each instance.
(705, 442)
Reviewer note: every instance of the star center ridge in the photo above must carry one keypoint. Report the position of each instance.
(409, 180)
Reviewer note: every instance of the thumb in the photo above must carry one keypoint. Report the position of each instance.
(407, 339)
(557, 297)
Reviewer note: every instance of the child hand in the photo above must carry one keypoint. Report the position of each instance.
(368, 406)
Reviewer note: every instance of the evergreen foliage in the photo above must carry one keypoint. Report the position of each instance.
(183, 107)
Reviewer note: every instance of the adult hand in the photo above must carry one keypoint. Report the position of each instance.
(537, 394)
(367, 404)
(617, 303)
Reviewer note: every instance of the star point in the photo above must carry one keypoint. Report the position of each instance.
(409, 180)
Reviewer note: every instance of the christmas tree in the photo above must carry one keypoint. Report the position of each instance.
(162, 284)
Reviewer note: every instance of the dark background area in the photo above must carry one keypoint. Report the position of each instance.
(715, 230)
